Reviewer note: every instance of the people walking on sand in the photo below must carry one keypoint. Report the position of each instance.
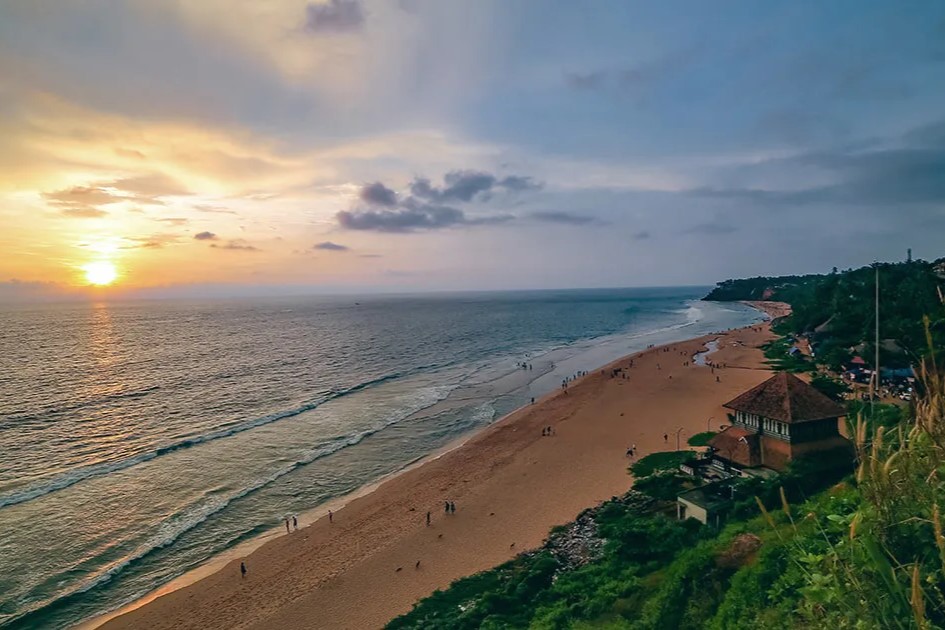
(242, 569)
(287, 525)
(446, 506)
(452, 508)
(295, 523)
(428, 519)
(331, 516)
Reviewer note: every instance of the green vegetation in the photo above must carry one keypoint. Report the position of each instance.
(664, 460)
(665, 485)
(653, 571)
(831, 387)
(779, 358)
(701, 439)
(836, 310)
(534, 590)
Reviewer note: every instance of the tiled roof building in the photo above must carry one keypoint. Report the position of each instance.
(777, 421)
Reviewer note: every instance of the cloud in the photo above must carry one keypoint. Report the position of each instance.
(334, 16)
(634, 78)
(236, 245)
(147, 186)
(370, 256)
(154, 241)
(517, 182)
(910, 173)
(378, 194)
(174, 220)
(84, 201)
(212, 209)
(585, 80)
(84, 213)
(713, 228)
(428, 207)
(205, 236)
(465, 185)
(640, 236)
(562, 217)
(81, 201)
(331, 247)
(416, 216)
(403, 220)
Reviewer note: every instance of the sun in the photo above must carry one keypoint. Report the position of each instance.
(100, 273)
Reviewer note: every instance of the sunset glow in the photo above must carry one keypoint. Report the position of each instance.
(361, 146)
(100, 273)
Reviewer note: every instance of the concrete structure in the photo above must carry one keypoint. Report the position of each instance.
(708, 504)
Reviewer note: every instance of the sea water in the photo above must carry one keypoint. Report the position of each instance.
(138, 440)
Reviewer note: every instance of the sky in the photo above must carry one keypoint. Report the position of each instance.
(211, 146)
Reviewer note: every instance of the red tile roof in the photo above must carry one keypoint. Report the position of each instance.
(738, 445)
(786, 398)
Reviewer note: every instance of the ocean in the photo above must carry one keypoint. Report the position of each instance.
(139, 440)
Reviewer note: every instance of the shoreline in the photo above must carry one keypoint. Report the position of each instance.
(252, 549)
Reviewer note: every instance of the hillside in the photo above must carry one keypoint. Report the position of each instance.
(836, 310)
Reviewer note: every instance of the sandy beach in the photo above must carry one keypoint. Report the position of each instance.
(510, 485)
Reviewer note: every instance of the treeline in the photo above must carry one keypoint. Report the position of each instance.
(836, 310)
(757, 288)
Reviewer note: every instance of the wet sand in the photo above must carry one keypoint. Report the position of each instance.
(510, 485)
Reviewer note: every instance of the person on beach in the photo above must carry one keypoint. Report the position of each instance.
(428, 519)
(446, 506)
(242, 569)
(295, 523)
(331, 517)
(666, 437)
(452, 508)
(287, 530)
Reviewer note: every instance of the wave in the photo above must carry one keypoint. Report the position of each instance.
(178, 525)
(73, 477)
(41, 414)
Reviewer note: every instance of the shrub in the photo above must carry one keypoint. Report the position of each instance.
(664, 460)
(701, 439)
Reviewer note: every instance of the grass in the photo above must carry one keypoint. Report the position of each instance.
(701, 439)
(665, 460)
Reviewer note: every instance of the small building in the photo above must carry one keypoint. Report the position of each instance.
(708, 504)
(779, 420)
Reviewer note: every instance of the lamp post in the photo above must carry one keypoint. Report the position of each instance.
(678, 431)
